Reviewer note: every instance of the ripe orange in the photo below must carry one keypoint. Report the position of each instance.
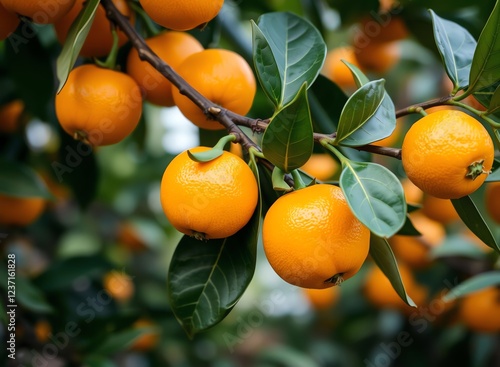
(379, 291)
(128, 236)
(20, 211)
(380, 28)
(208, 200)
(312, 239)
(322, 299)
(447, 154)
(413, 195)
(172, 47)
(182, 15)
(99, 106)
(39, 11)
(118, 285)
(414, 250)
(99, 39)
(148, 340)
(42, 330)
(321, 166)
(440, 210)
(222, 76)
(379, 57)
(492, 200)
(480, 311)
(335, 70)
(10, 115)
(8, 22)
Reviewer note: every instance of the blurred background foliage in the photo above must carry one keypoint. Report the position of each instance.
(91, 271)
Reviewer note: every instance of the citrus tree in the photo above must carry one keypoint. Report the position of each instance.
(353, 146)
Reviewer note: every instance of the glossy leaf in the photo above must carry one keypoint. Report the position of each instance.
(382, 254)
(456, 47)
(375, 196)
(74, 41)
(265, 65)
(360, 107)
(476, 283)
(288, 139)
(206, 280)
(20, 180)
(473, 219)
(383, 121)
(485, 70)
(298, 49)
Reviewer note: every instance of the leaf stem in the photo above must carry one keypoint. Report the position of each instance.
(110, 62)
(297, 179)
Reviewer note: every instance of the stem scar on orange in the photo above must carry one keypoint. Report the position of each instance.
(99, 106)
(221, 76)
(208, 200)
(312, 239)
(447, 154)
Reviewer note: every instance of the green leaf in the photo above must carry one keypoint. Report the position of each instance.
(408, 229)
(298, 48)
(206, 280)
(360, 107)
(456, 47)
(383, 121)
(382, 254)
(473, 219)
(31, 297)
(265, 65)
(279, 183)
(74, 41)
(20, 180)
(118, 341)
(288, 140)
(97, 361)
(476, 283)
(457, 245)
(485, 68)
(375, 196)
(485, 95)
(494, 107)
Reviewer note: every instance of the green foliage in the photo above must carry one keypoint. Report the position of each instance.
(22, 181)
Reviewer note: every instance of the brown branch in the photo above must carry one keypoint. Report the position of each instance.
(424, 105)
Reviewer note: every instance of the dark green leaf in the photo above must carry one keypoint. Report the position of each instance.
(31, 297)
(476, 283)
(382, 254)
(494, 107)
(485, 68)
(97, 361)
(473, 219)
(74, 41)
(206, 279)
(205, 156)
(485, 95)
(288, 140)
(20, 180)
(61, 274)
(456, 47)
(360, 107)
(118, 341)
(279, 183)
(375, 196)
(408, 229)
(265, 65)
(298, 48)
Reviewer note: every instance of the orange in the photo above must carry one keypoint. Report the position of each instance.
(447, 154)
(413, 195)
(149, 339)
(322, 299)
(99, 39)
(172, 47)
(480, 311)
(379, 291)
(208, 200)
(10, 115)
(414, 250)
(20, 211)
(182, 15)
(492, 200)
(335, 70)
(128, 236)
(99, 106)
(321, 166)
(312, 239)
(39, 11)
(440, 210)
(8, 22)
(379, 57)
(379, 28)
(222, 76)
(42, 330)
(118, 285)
